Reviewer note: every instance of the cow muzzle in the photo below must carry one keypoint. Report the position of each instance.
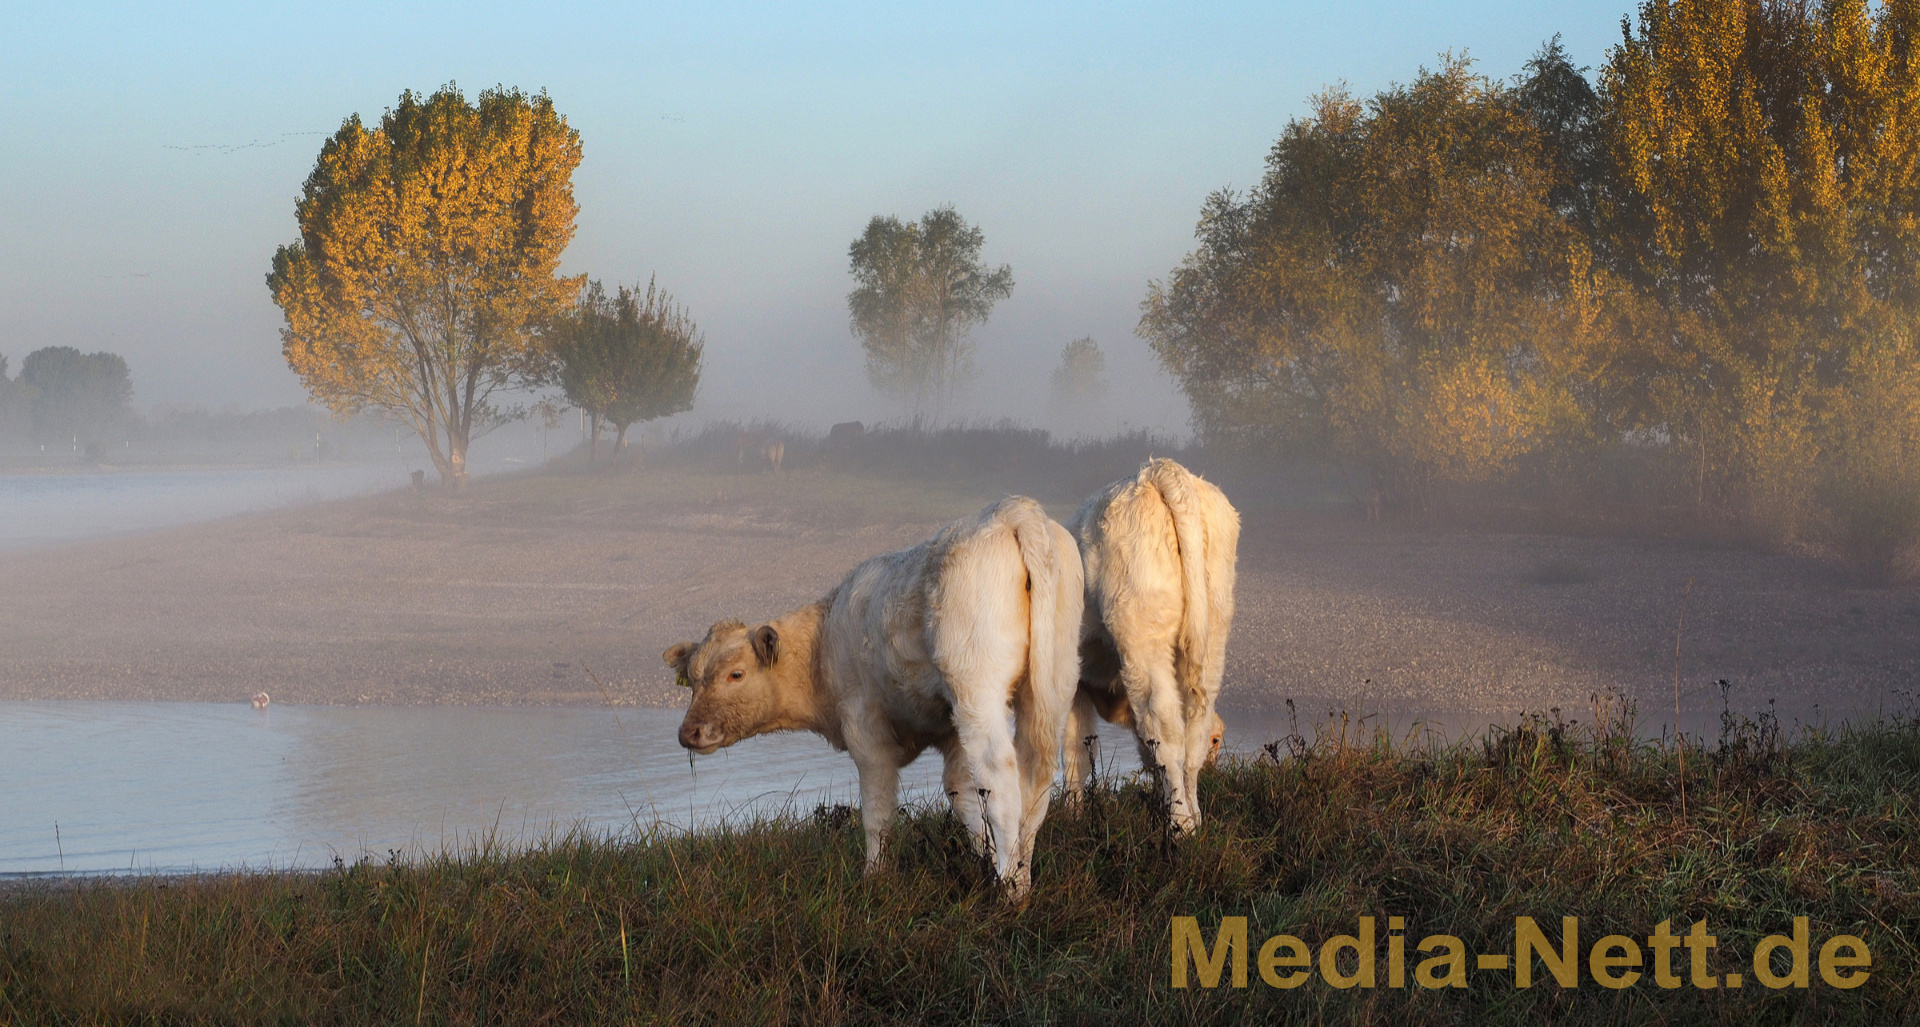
(701, 737)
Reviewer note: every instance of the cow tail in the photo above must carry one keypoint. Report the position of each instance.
(1175, 485)
(1057, 594)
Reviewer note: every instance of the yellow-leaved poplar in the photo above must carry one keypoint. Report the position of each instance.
(427, 262)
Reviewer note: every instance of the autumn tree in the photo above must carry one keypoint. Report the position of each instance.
(1761, 162)
(921, 290)
(427, 262)
(1711, 257)
(627, 358)
(1402, 291)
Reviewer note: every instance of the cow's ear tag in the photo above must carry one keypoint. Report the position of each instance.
(682, 680)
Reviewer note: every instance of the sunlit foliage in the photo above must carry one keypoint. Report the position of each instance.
(1712, 254)
(1400, 291)
(427, 259)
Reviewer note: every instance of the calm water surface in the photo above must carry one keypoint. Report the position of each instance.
(106, 787)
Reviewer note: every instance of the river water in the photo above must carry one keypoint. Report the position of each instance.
(105, 787)
(117, 787)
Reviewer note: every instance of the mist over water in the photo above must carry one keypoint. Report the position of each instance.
(36, 509)
(177, 484)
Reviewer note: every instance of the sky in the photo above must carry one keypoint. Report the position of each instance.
(150, 158)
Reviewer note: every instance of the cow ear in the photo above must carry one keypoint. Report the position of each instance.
(677, 657)
(766, 644)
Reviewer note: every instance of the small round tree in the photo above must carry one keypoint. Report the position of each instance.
(627, 358)
(1082, 374)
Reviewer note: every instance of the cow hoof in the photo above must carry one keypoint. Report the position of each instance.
(1018, 892)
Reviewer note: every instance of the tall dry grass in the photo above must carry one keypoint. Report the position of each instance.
(773, 923)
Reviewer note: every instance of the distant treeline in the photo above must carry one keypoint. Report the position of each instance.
(62, 392)
(291, 425)
(62, 395)
(1702, 265)
(1010, 456)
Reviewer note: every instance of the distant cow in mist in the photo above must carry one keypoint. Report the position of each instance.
(1159, 551)
(765, 451)
(928, 647)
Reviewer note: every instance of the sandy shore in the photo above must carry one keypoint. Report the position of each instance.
(508, 594)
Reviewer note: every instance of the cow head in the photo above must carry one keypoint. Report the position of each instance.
(1216, 737)
(736, 695)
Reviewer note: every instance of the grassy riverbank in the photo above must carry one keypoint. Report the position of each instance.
(773, 923)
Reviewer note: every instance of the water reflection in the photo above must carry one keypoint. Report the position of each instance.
(103, 786)
(176, 786)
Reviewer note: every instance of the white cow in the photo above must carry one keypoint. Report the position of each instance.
(1159, 551)
(928, 647)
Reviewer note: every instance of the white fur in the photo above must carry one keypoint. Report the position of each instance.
(928, 647)
(939, 640)
(1159, 551)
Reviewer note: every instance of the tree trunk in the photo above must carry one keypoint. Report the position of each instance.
(619, 443)
(442, 463)
(593, 438)
(457, 465)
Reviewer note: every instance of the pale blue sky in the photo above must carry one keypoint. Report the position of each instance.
(151, 158)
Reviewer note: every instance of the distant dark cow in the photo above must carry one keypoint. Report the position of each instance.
(845, 433)
(765, 451)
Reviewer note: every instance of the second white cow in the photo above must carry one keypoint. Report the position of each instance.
(928, 647)
(1159, 551)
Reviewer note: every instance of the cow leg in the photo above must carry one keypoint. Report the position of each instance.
(985, 739)
(961, 793)
(1100, 696)
(879, 796)
(1083, 736)
(1160, 725)
(1198, 745)
(1036, 746)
